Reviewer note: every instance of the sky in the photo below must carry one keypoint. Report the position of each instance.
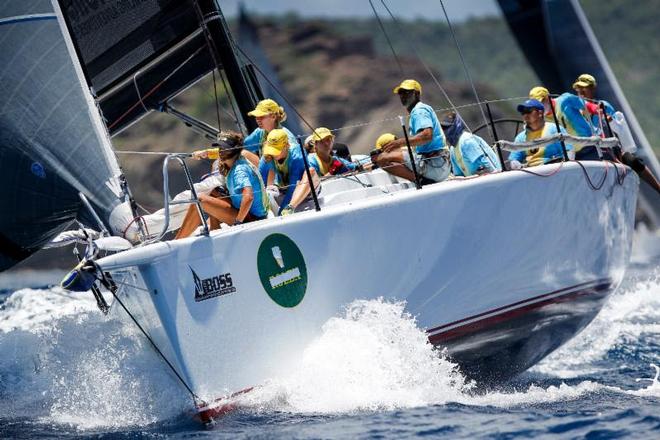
(457, 10)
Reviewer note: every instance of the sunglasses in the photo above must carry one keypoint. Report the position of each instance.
(527, 111)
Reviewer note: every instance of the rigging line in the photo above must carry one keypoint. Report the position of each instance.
(210, 44)
(382, 28)
(156, 87)
(217, 103)
(137, 90)
(275, 88)
(464, 63)
(231, 102)
(158, 153)
(421, 60)
(222, 107)
(107, 284)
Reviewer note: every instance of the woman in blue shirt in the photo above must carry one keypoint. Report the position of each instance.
(247, 200)
(269, 116)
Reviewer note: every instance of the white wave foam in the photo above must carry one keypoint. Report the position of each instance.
(38, 309)
(81, 368)
(62, 361)
(627, 315)
(373, 357)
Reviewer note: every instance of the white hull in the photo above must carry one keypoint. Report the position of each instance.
(472, 258)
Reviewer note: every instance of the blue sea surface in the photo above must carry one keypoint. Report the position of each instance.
(67, 371)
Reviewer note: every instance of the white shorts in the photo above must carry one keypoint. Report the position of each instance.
(434, 168)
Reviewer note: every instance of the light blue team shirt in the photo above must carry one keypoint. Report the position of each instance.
(293, 171)
(242, 176)
(255, 140)
(609, 111)
(474, 154)
(422, 116)
(548, 153)
(346, 166)
(572, 111)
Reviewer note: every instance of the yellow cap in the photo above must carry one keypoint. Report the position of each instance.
(267, 107)
(584, 80)
(539, 93)
(384, 139)
(321, 133)
(408, 84)
(275, 142)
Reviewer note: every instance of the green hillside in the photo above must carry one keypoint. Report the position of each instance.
(628, 33)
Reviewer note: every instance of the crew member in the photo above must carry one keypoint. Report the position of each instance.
(572, 114)
(585, 86)
(536, 127)
(247, 200)
(470, 154)
(431, 156)
(321, 163)
(283, 165)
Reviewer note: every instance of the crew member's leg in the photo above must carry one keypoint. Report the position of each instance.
(393, 162)
(219, 210)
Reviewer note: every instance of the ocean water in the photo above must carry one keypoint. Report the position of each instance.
(67, 371)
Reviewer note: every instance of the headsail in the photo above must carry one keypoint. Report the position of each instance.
(560, 45)
(52, 144)
(137, 55)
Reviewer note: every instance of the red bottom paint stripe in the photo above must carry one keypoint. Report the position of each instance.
(473, 327)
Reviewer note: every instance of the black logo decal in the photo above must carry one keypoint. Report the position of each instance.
(211, 287)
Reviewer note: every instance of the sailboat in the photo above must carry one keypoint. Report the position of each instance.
(500, 270)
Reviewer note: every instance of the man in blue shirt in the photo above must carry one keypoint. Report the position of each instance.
(585, 86)
(431, 155)
(470, 154)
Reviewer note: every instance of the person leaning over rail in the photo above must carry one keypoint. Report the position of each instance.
(572, 114)
(536, 128)
(470, 154)
(585, 85)
(430, 155)
(284, 167)
(247, 200)
(321, 163)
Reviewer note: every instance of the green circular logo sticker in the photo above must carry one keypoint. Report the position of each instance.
(282, 270)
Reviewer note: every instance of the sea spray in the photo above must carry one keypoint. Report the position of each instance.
(630, 314)
(64, 362)
(371, 357)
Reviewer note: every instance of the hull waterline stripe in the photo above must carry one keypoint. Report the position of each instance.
(224, 405)
(26, 18)
(479, 324)
(559, 292)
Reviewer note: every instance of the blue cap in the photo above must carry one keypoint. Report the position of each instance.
(530, 104)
